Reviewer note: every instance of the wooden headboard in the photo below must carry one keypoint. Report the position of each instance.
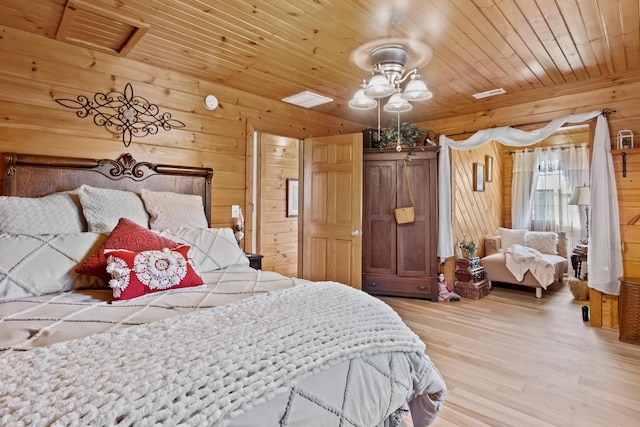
(30, 175)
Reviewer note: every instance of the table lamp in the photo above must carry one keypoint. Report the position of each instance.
(582, 197)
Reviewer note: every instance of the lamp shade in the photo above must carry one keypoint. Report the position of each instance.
(397, 104)
(416, 89)
(360, 101)
(379, 87)
(581, 196)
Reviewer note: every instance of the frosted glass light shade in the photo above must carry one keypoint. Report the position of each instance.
(360, 101)
(379, 87)
(416, 90)
(397, 104)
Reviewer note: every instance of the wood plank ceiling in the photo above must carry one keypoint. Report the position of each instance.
(276, 48)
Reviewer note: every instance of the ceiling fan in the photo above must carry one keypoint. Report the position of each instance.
(388, 59)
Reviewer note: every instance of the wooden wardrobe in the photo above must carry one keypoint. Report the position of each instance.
(400, 259)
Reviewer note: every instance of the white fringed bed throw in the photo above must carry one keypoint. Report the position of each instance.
(202, 368)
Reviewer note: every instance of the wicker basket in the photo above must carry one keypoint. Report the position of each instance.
(629, 310)
(404, 215)
(579, 289)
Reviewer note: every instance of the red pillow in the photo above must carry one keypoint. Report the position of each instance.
(126, 235)
(134, 274)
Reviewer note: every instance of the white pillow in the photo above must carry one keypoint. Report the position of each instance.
(43, 264)
(543, 241)
(53, 214)
(170, 210)
(509, 237)
(211, 248)
(104, 207)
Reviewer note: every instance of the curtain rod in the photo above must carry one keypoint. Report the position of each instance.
(563, 147)
(605, 112)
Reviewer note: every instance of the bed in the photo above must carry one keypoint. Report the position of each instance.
(214, 342)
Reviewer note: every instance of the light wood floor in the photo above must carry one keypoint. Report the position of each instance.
(510, 359)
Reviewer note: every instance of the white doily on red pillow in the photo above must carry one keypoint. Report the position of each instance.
(134, 274)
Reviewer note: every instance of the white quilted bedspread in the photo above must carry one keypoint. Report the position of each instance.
(210, 366)
(33, 322)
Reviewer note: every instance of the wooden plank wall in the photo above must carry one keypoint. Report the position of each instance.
(476, 214)
(34, 71)
(629, 205)
(278, 235)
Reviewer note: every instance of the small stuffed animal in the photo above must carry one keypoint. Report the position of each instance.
(445, 293)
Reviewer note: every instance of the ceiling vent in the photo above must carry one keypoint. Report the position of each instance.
(307, 99)
(492, 92)
(97, 28)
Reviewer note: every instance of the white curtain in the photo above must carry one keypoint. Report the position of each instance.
(542, 183)
(605, 256)
(575, 165)
(604, 242)
(523, 187)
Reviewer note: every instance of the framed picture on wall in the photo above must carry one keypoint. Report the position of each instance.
(292, 198)
(488, 163)
(478, 177)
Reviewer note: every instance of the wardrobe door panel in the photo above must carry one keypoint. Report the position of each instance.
(379, 233)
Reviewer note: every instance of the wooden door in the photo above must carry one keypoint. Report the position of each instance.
(332, 213)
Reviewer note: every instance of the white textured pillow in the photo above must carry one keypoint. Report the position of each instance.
(170, 210)
(53, 214)
(104, 207)
(211, 248)
(509, 237)
(44, 263)
(543, 241)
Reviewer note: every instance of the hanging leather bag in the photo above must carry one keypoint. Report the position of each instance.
(406, 215)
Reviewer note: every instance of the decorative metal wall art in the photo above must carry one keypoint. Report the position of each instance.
(122, 113)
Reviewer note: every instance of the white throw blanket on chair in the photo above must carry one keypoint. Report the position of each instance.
(520, 259)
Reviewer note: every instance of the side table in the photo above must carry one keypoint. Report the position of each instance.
(576, 263)
(255, 261)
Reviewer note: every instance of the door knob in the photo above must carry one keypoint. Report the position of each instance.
(355, 233)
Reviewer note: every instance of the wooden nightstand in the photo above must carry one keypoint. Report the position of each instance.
(255, 261)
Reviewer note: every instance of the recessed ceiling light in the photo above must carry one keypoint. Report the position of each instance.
(307, 99)
(492, 92)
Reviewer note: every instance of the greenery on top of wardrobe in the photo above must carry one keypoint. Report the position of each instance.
(410, 135)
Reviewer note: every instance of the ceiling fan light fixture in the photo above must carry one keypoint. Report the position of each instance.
(361, 101)
(388, 59)
(379, 86)
(397, 104)
(416, 89)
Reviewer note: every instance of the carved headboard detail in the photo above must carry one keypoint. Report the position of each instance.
(31, 175)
